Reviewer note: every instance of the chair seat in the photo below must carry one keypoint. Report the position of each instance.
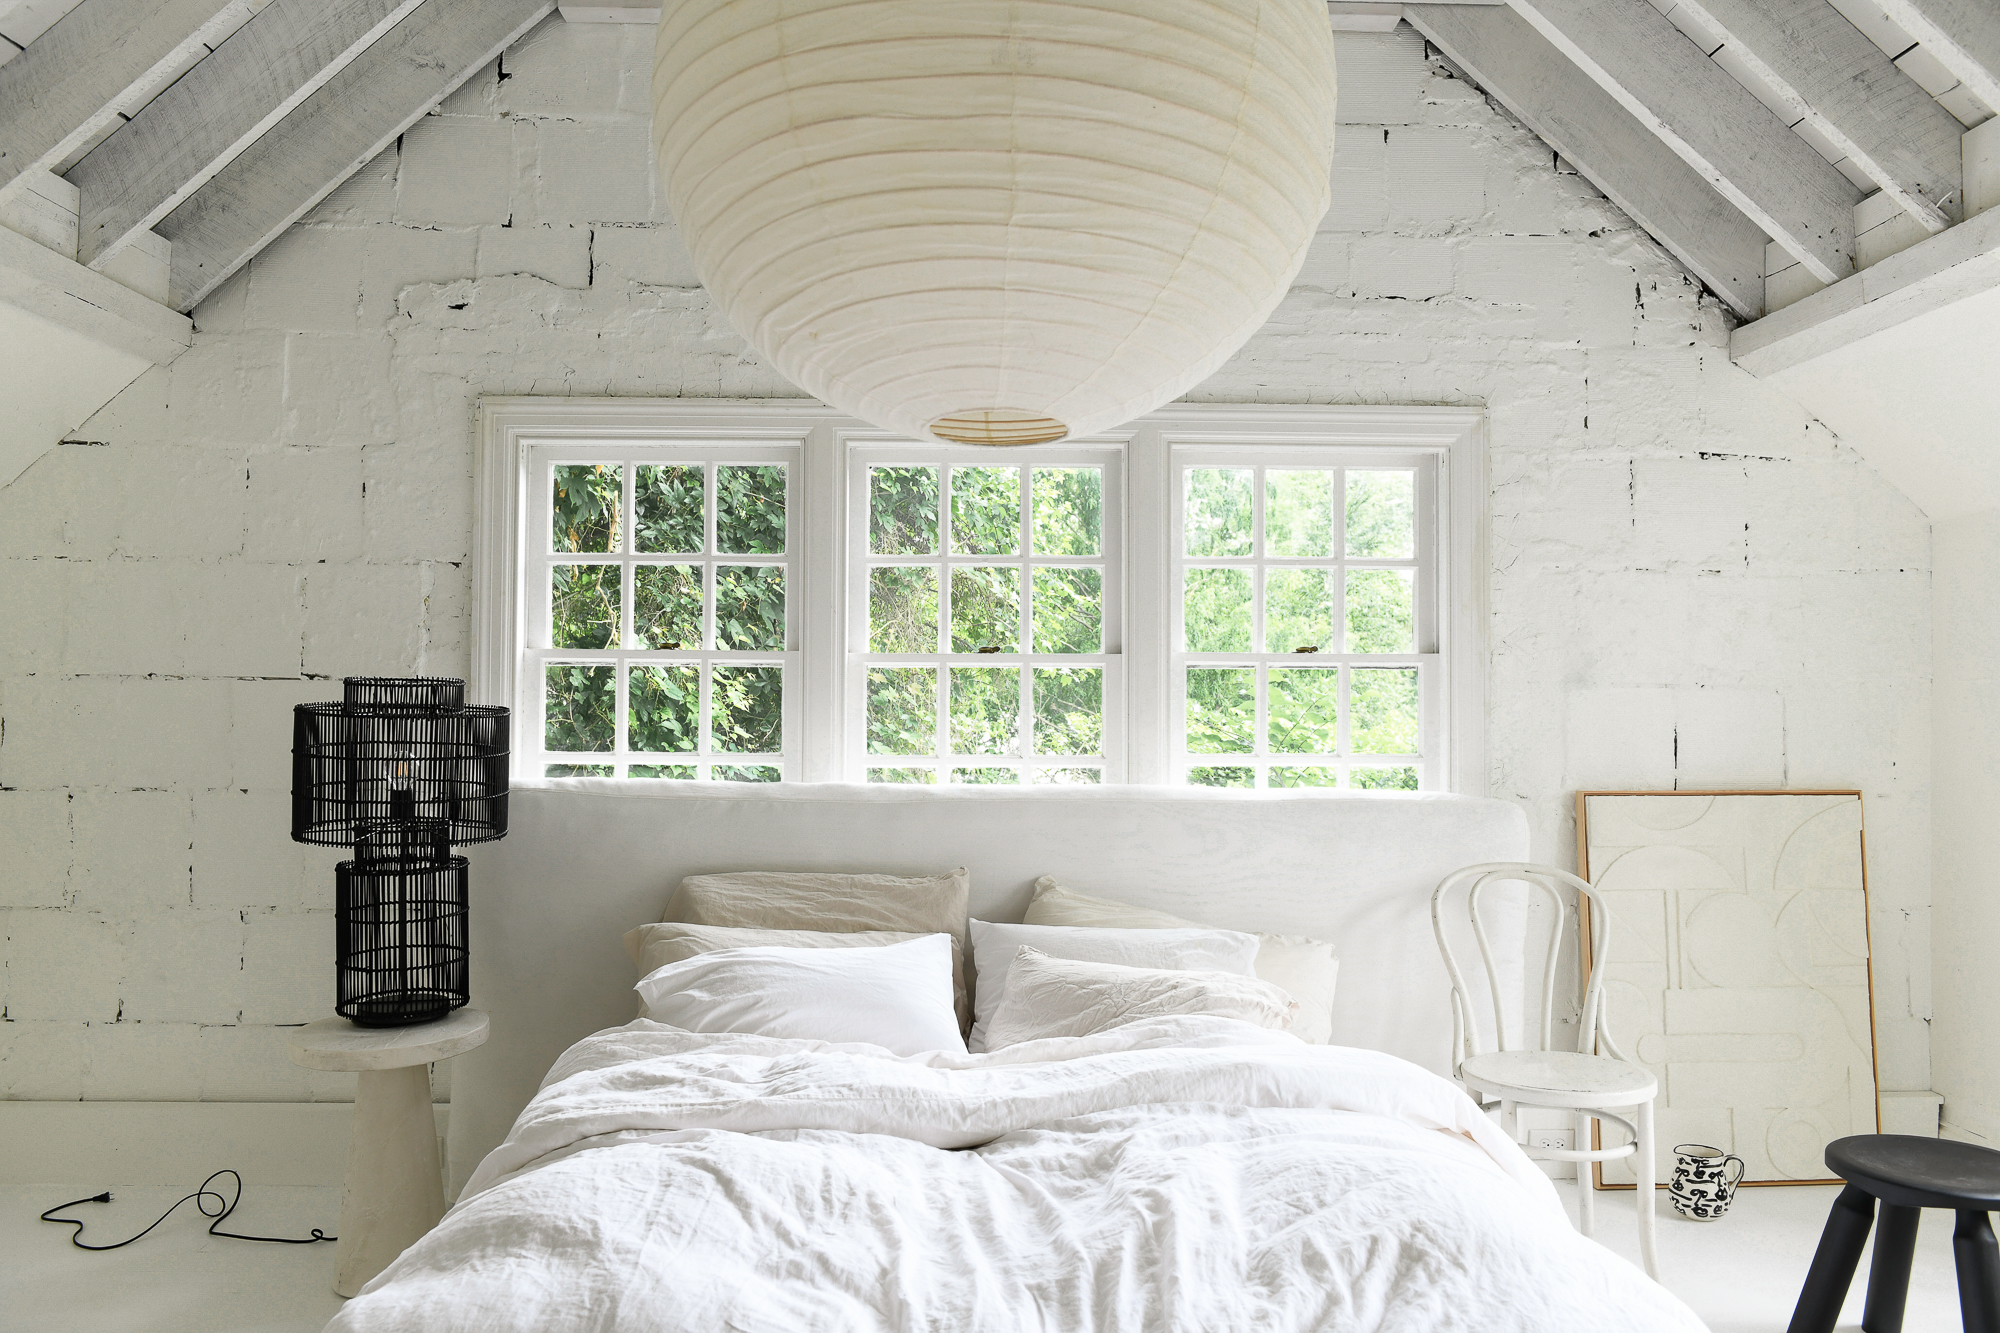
(1562, 1079)
(1913, 1172)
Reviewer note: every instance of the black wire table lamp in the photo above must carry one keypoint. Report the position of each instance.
(399, 770)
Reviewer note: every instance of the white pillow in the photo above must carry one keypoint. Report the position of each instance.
(1305, 969)
(1059, 997)
(897, 996)
(655, 945)
(1199, 949)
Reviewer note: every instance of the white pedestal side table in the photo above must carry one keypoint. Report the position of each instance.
(394, 1191)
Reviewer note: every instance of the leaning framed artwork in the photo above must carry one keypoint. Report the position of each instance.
(1738, 969)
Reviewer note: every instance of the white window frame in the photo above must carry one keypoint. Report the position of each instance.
(818, 587)
(1107, 455)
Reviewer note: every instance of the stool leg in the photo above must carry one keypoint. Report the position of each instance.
(1889, 1274)
(1833, 1263)
(1978, 1257)
(1586, 1200)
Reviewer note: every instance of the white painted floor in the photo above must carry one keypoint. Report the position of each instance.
(1741, 1274)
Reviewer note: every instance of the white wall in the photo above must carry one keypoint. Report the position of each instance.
(1691, 583)
(1966, 833)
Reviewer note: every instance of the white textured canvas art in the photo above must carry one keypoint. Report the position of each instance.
(1738, 969)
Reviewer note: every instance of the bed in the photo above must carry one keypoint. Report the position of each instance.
(1180, 1172)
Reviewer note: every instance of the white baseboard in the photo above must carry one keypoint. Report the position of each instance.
(176, 1143)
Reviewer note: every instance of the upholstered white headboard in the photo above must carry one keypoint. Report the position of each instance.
(588, 859)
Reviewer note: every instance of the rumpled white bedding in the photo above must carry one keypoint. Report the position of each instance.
(1179, 1173)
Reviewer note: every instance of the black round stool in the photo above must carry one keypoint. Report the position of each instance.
(1908, 1174)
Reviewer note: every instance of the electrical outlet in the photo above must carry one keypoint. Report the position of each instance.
(1549, 1138)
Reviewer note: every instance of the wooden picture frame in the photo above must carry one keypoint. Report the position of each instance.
(1673, 958)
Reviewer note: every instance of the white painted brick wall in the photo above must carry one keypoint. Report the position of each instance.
(1689, 577)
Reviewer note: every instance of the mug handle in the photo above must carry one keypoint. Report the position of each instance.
(1740, 1170)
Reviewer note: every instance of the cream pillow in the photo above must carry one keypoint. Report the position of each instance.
(654, 946)
(897, 997)
(1189, 949)
(804, 900)
(1305, 969)
(1061, 997)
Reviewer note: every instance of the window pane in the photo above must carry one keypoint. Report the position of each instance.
(579, 702)
(1304, 710)
(903, 510)
(1381, 611)
(666, 606)
(1068, 610)
(667, 507)
(1069, 710)
(664, 708)
(1298, 609)
(682, 772)
(1068, 510)
(1298, 513)
(1384, 779)
(1381, 515)
(1061, 777)
(747, 712)
(1222, 777)
(577, 771)
(924, 776)
(750, 509)
(747, 773)
(985, 710)
(986, 510)
(585, 499)
(902, 710)
(985, 609)
(1382, 704)
(902, 609)
(583, 606)
(1215, 611)
(1221, 710)
(1216, 518)
(750, 608)
(986, 776)
(1304, 777)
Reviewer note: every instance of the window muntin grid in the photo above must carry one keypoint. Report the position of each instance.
(687, 665)
(984, 653)
(1304, 653)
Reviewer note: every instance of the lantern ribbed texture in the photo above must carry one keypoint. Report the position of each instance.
(1061, 214)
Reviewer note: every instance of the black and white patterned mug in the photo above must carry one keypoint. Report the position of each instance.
(1702, 1187)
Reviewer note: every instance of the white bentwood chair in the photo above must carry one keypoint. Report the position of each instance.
(1515, 1074)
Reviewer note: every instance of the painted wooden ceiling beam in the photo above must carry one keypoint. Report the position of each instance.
(1843, 85)
(1713, 122)
(71, 83)
(1616, 153)
(215, 111)
(343, 125)
(1963, 34)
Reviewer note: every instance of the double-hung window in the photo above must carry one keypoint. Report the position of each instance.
(983, 614)
(1220, 596)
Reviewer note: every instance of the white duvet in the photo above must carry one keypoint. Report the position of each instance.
(1175, 1174)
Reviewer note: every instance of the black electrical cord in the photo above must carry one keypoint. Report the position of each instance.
(201, 1198)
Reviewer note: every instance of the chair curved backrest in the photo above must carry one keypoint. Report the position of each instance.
(1473, 882)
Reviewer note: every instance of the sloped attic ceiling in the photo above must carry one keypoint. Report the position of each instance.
(1780, 149)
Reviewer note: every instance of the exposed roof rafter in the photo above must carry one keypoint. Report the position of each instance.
(1555, 99)
(1845, 87)
(1964, 35)
(190, 131)
(71, 83)
(1713, 122)
(326, 138)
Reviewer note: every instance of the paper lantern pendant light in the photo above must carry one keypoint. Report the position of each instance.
(996, 221)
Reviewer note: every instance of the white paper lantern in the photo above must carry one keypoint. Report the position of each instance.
(1001, 221)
